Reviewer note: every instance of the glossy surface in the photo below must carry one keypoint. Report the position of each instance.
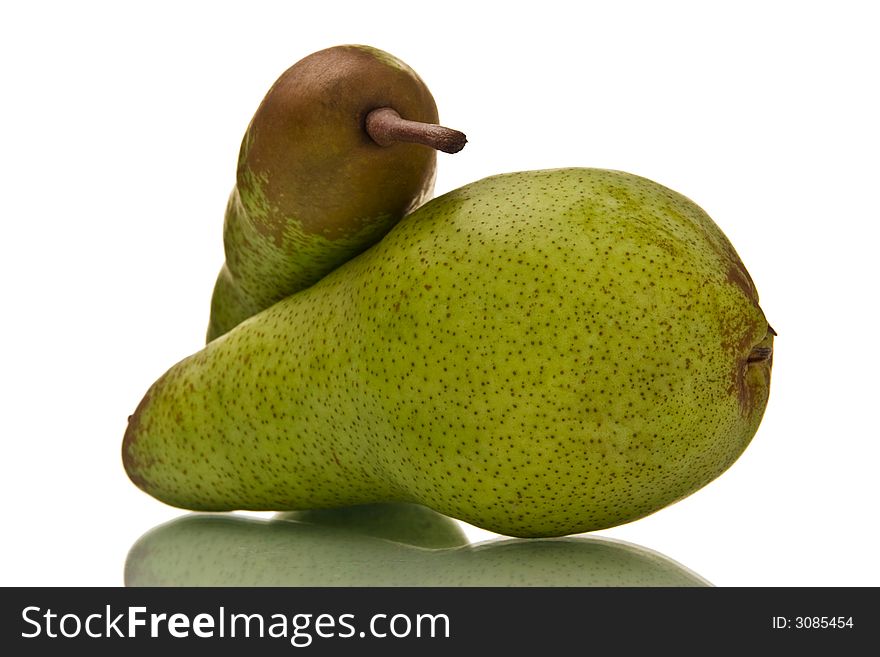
(379, 550)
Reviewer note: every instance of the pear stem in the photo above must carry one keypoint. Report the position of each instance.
(385, 127)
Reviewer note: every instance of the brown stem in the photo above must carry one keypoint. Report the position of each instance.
(385, 127)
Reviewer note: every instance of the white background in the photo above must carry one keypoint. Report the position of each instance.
(121, 126)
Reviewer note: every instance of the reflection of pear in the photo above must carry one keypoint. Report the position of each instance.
(213, 550)
(413, 524)
(570, 561)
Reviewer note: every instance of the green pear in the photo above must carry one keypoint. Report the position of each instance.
(205, 550)
(539, 354)
(340, 149)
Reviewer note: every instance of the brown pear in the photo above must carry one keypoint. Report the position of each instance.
(341, 148)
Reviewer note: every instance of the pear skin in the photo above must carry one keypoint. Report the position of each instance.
(538, 353)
